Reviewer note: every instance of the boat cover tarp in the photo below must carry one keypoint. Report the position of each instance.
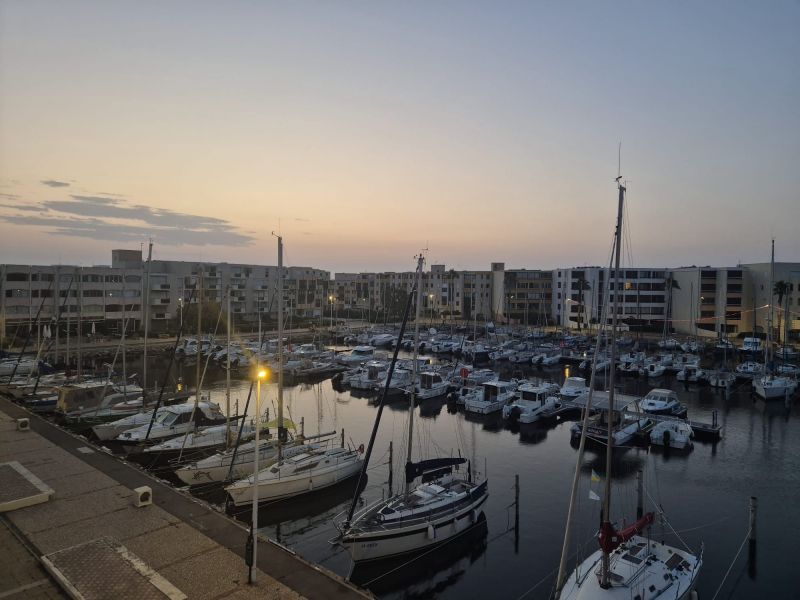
(415, 469)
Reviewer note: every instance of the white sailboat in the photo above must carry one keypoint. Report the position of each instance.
(293, 475)
(445, 504)
(627, 565)
(771, 386)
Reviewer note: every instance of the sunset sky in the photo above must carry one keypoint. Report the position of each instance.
(365, 131)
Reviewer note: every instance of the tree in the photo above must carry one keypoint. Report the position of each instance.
(780, 289)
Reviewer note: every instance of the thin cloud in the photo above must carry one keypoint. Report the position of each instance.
(9, 196)
(98, 217)
(23, 207)
(54, 183)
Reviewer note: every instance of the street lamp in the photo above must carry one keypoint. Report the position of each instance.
(252, 541)
(331, 299)
(430, 303)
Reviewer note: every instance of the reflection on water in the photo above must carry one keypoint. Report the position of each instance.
(425, 574)
(704, 492)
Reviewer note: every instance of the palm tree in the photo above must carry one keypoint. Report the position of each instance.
(780, 289)
(669, 285)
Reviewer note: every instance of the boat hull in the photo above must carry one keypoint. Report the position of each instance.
(380, 544)
(287, 487)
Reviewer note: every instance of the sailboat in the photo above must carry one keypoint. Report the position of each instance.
(312, 470)
(771, 386)
(443, 505)
(628, 564)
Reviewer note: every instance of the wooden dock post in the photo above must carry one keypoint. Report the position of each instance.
(639, 494)
(516, 514)
(751, 537)
(391, 466)
(714, 418)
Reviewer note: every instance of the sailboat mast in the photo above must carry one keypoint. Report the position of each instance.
(199, 286)
(124, 354)
(412, 394)
(228, 376)
(281, 433)
(768, 349)
(605, 566)
(146, 314)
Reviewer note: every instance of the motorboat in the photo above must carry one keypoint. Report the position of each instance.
(491, 397)
(672, 434)
(750, 368)
(358, 355)
(626, 426)
(173, 421)
(752, 344)
(722, 379)
(786, 352)
(314, 469)
(199, 443)
(692, 374)
(369, 375)
(573, 387)
(668, 344)
(653, 369)
(431, 385)
(110, 430)
(533, 400)
(659, 401)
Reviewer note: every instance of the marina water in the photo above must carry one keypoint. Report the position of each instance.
(705, 492)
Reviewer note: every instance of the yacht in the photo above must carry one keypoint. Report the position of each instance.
(662, 402)
(533, 401)
(491, 397)
(573, 387)
(172, 422)
(311, 470)
(445, 504)
(234, 464)
(752, 344)
(691, 374)
(360, 354)
(750, 368)
(774, 387)
(721, 379)
(672, 434)
(431, 385)
(368, 375)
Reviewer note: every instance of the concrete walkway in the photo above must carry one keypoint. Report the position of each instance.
(195, 549)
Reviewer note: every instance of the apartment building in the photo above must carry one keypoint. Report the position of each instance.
(580, 294)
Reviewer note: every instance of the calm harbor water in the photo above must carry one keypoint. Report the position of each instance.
(705, 492)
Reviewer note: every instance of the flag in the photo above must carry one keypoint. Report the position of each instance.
(593, 496)
(595, 476)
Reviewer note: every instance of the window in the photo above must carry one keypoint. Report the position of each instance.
(92, 293)
(16, 277)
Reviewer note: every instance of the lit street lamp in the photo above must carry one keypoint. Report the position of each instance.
(252, 541)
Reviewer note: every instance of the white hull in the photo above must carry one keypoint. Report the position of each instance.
(385, 543)
(774, 389)
(674, 583)
(483, 408)
(294, 485)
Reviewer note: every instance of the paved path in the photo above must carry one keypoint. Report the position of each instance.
(194, 548)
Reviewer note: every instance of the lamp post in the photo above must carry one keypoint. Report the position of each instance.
(252, 542)
(331, 299)
(430, 304)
